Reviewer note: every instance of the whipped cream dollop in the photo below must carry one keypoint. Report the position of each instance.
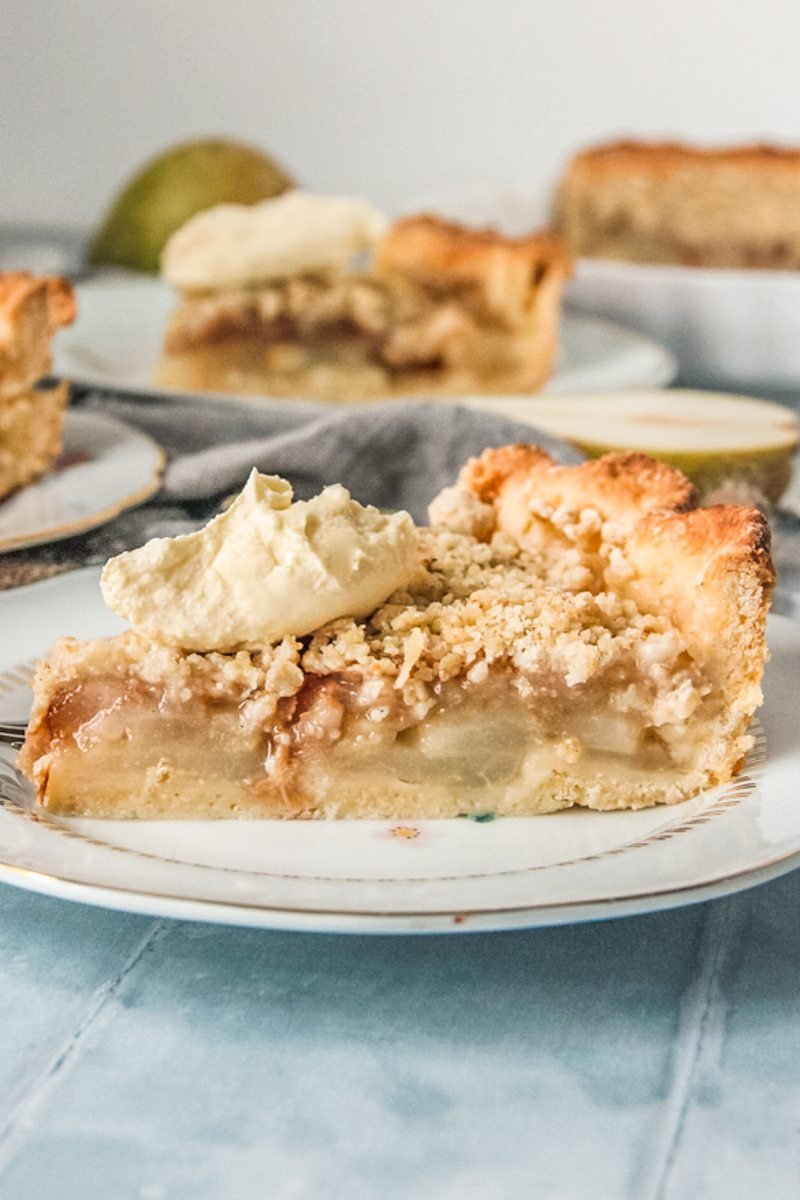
(264, 569)
(233, 245)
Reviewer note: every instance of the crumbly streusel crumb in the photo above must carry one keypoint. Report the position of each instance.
(478, 603)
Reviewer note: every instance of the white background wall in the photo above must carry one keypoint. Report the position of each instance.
(386, 99)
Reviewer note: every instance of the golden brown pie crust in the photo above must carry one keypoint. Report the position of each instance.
(441, 255)
(667, 155)
(656, 503)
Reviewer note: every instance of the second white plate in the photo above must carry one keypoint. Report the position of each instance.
(104, 467)
(116, 341)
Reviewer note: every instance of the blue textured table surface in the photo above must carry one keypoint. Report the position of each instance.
(651, 1057)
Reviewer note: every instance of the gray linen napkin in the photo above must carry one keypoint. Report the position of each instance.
(393, 455)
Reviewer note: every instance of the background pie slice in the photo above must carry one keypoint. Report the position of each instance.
(443, 310)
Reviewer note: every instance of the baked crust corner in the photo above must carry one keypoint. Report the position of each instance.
(32, 307)
(620, 486)
(709, 570)
(19, 290)
(508, 272)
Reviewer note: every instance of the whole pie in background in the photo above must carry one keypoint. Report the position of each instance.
(665, 202)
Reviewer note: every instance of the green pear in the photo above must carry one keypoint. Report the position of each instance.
(715, 439)
(174, 186)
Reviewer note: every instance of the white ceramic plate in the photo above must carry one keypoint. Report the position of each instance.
(733, 329)
(105, 467)
(360, 876)
(117, 338)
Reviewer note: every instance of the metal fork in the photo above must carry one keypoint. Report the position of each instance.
(12, 733)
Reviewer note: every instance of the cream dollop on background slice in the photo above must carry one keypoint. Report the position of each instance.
(264, 569)
(233, 245)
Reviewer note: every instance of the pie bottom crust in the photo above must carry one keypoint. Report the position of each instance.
(344, 374)
(31, 426)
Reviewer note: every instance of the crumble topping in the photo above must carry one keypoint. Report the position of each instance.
(463, 512)
(470, 607)
(477, 604)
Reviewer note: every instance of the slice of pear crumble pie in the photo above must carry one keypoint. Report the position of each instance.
(556, 636)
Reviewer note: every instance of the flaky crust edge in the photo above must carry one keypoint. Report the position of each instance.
(432, 250)
(709, 570)
(620, 485)
(18, 289)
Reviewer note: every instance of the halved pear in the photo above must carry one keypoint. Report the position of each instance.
(713, 438)
(172, 187)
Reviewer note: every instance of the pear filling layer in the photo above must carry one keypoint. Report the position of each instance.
(340, 742)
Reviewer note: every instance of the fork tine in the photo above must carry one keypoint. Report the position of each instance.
(12, 733)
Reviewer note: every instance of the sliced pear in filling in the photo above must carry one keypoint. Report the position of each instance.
(715, 439)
